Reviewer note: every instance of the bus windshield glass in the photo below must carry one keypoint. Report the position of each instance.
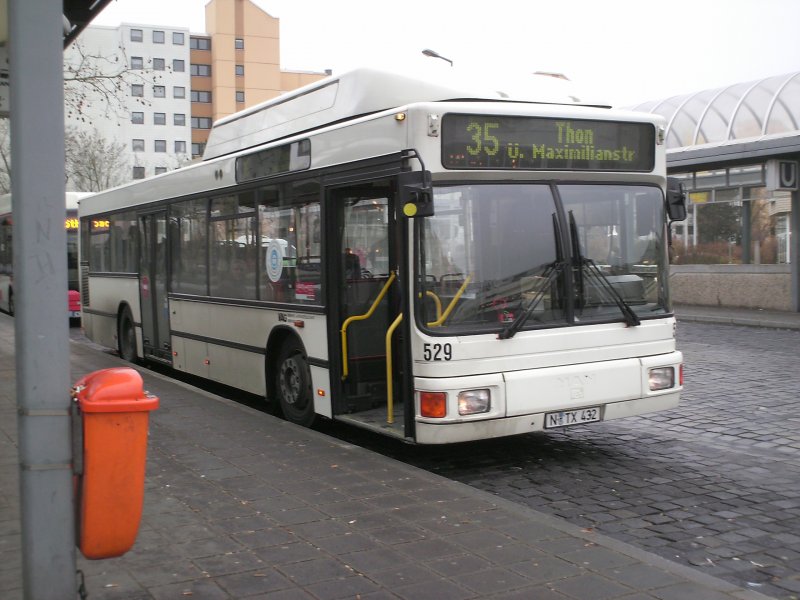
(524, 256)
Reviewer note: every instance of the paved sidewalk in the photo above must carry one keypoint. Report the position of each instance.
(240, 504)
(739, 316)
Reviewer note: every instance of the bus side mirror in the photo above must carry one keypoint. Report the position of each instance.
(676, 199)
(416, 195)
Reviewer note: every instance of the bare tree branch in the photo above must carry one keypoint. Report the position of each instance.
(93, 163)
(102, 81)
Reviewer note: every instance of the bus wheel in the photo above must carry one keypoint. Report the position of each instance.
(11, 305)
(294, 385)
(126, 336)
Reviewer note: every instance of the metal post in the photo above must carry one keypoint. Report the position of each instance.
(794, 249)
(747, 237)
(40, 287)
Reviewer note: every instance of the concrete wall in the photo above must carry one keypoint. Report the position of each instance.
(744, 286)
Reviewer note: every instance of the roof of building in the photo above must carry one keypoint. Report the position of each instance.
(741, 111)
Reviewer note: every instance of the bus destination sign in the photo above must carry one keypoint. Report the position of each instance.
(551, 144)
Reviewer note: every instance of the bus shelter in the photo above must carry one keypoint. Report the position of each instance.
(737, 150)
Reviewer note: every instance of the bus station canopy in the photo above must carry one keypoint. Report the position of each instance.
(739, 122)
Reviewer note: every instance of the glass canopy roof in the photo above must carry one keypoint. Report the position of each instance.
(736, 112)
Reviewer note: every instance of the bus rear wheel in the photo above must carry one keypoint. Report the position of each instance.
(293, 385)
(126, 336)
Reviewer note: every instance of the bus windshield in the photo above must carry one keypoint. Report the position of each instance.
(496, 257)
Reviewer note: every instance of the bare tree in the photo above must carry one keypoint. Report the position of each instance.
(95, 85)
(99, 81)
(93, 163)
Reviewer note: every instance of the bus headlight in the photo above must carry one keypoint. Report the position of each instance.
(472, 402)
(661, 378)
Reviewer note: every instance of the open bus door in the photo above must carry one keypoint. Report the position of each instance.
(153, 286)
(365, 315)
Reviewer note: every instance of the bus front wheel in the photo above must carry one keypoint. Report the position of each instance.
(126, 336)
(293, 384)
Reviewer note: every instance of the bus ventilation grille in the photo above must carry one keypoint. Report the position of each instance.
(85, 285)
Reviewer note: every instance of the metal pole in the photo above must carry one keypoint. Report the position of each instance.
(747, 237)
(40, 288)
(794, 249)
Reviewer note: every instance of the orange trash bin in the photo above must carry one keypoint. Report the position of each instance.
(113, 409)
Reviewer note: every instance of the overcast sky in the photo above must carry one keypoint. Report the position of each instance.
(625, 51)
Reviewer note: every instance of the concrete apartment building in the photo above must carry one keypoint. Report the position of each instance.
(178, 83)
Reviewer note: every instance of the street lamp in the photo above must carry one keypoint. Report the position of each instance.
(434, 54)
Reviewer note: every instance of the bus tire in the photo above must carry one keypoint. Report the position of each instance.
(126, 336)
(293, 384)
(11, 304)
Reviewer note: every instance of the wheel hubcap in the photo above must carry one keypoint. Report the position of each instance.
(290, 382)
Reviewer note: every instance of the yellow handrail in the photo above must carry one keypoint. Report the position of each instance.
(436, 301)
(389, 379)
(452, 304)
(366, 315)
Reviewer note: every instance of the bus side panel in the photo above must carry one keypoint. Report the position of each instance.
(106, 295)
(226, 343)
(189, 355)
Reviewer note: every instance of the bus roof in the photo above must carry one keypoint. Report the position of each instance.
(367, 90)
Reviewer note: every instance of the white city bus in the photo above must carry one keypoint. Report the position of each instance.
(428, 259)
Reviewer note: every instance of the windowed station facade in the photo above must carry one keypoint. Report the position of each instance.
(737, 149)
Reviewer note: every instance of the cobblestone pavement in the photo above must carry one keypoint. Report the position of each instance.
(714, 484)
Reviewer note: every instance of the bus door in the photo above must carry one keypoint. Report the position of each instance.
(153, 286)
(363, 266)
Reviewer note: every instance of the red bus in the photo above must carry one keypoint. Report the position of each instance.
(7, 300)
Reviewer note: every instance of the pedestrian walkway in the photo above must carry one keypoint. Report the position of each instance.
(739, 316)
(240, 504)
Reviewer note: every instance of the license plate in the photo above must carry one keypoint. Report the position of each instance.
(572, 417)
(74, 314)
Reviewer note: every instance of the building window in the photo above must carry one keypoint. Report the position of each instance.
(239, 44)
(138, 145)
(159, 118)
(240, 70)
(137, 90)
(158, 64)
(180, 147)
(160, 146)
(158, 36)
(198, 149)
(159, 91)
(136, 35)
(178, 66)
(201, 122)
(198, 43)
(177, 38)
(200, 70)
(138, 172)
(178, 119)
(201, 96)
(137, 62)
(240, 96)
(178, 91)
(161, 170)
(137, 118)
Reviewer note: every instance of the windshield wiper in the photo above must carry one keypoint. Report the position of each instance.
(631, 318)
(549, 275)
